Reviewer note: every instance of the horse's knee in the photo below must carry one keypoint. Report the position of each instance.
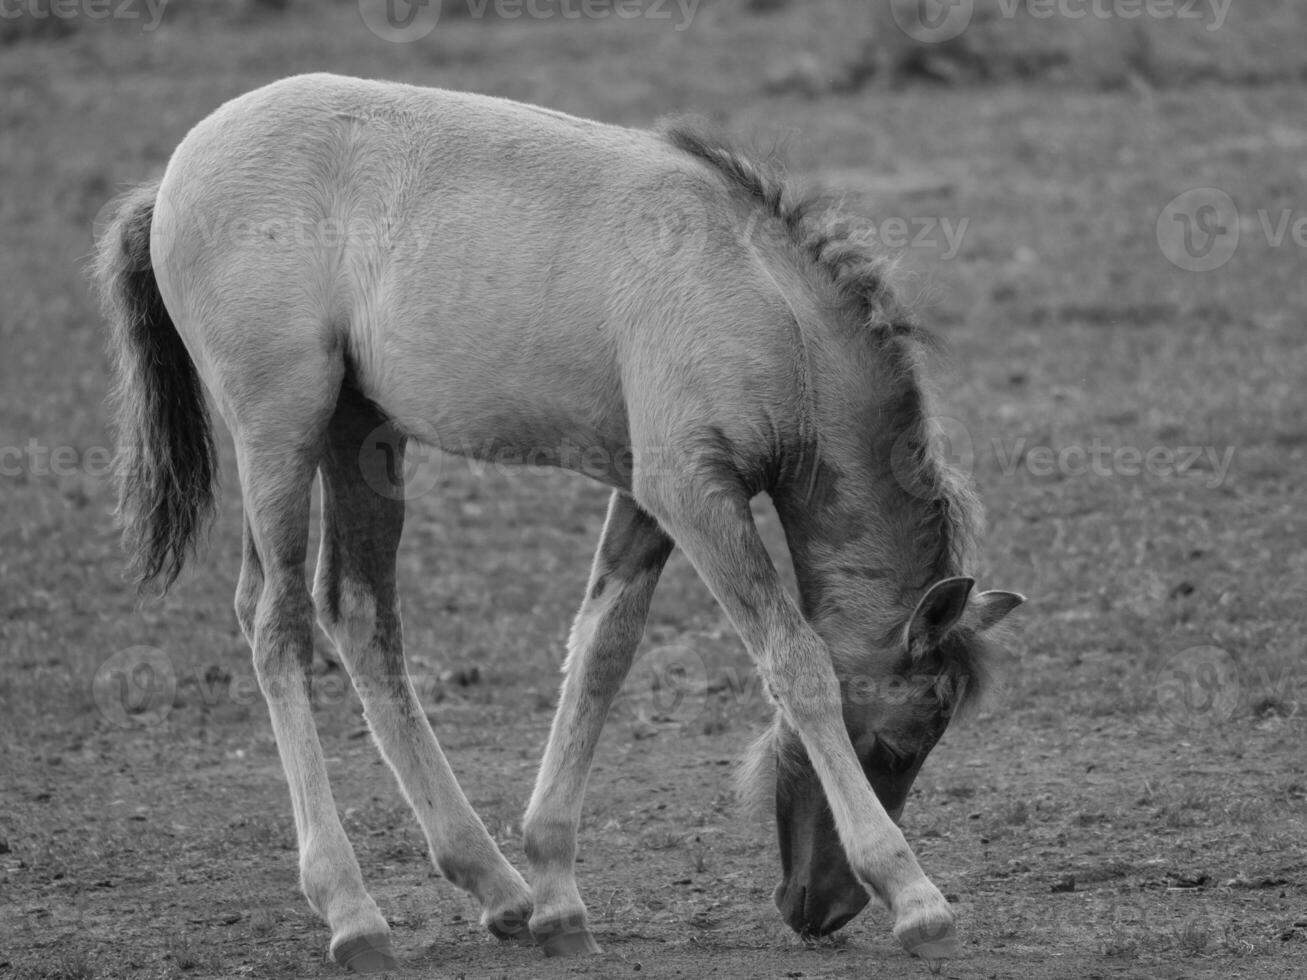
(347, 611)
(248, 589)
(282, 631)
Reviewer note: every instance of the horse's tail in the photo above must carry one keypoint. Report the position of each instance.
(166, 462)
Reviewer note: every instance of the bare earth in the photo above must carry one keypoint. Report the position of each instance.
(1130, 801)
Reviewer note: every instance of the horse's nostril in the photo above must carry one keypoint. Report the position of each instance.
(792, 903)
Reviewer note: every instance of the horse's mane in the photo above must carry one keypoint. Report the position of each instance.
(832, 239)
(939, 506)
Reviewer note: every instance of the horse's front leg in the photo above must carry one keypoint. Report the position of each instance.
(630, 557)
(711, 520)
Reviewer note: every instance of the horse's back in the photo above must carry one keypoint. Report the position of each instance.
(482, 263)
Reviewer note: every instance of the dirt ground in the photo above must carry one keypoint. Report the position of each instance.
(1130, 801)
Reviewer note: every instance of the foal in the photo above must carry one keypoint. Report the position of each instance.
(348, 265)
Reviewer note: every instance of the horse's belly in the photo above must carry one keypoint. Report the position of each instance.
(503, 390)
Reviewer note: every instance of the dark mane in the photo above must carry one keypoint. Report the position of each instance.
(833, 240)
(948, 514)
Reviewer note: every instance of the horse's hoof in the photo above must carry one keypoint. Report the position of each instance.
(509, 925)
(577, 942)
(938, 941)
(366, 954)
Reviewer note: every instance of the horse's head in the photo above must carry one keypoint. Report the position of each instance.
(895, 712)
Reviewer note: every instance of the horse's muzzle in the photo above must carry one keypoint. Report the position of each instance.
(812, 913)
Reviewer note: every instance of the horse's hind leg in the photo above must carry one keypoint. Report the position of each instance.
(278, 439)
(630, 557)
(359, 608)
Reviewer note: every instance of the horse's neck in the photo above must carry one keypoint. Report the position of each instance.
(847, 549)
(853, 525)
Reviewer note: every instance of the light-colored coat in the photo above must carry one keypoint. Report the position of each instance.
(439, 241)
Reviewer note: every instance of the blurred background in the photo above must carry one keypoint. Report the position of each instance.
(1099, 206)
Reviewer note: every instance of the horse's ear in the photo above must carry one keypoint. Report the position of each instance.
(989, 609)
(939, 610)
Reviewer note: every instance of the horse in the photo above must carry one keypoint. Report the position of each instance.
(351, 266)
